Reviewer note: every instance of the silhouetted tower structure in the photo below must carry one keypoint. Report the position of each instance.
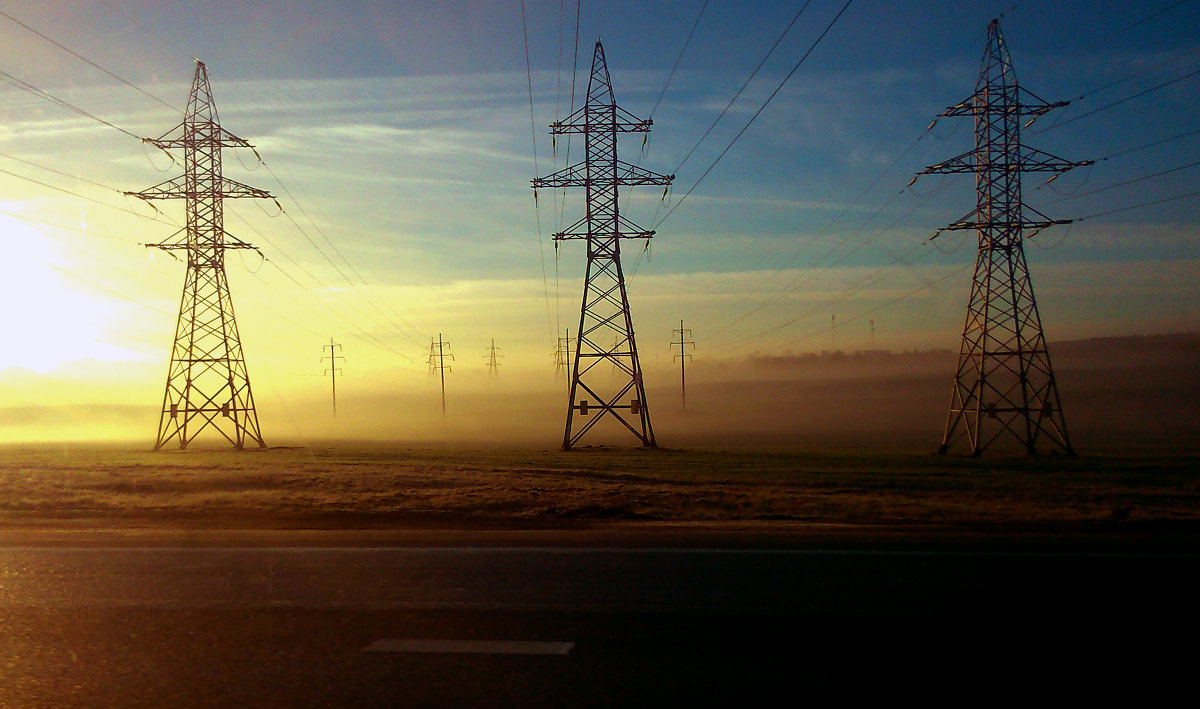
(562, 354)
(207, 383)
(433, 357)
(493, 359)
(438, 363)
(333, 370)
(1004, 385)
(605, 306)
(683, 357)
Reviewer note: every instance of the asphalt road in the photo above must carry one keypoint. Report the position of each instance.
(560, 620)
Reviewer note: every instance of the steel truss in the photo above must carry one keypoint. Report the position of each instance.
(596, 394)
(208, 386)
(1004, 385)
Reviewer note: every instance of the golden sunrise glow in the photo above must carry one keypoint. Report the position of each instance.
(51, 318)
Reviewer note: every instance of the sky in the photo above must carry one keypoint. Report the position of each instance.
(400, 139)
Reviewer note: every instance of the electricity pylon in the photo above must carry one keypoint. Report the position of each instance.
(333, 370)
(493, 359)
(1004, 383)
(562, 353)
(438, 363)
(605, 307)
(683, 357)
(207, 382)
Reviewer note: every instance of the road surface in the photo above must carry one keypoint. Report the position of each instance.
(564, 619)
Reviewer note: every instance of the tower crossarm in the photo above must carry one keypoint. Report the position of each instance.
(625, 230)
(229, 242)
(1028, 160)
(626, 175)
(584, 120)
(977, 103)
(177, 187)
(180, 137)
(973, 221)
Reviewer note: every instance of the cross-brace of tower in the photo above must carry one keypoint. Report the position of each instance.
(605, 307)
(1004, 384)
(207, 383)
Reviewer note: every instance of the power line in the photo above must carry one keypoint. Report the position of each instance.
(686, 42)
(1127, 99)
(1150, 145)
(1130, 181)
(340, 255)
(1139, 206)
(42, 94)
(150, 30)
(30, 88)
(745, 83)
(89, 62)
(853, 318)
(59, 172)
(761, 108)
(159, 217)
(536, 168)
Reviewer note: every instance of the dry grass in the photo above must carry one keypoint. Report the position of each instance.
(376, 485)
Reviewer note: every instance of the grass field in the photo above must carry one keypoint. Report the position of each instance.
(384, 486)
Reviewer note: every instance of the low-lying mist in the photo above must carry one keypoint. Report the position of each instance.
(1118, 393)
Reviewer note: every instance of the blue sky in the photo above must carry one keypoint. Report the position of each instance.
(402, 132)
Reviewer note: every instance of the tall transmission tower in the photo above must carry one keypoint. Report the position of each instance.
(605, 306)
(683, 357)
(493, 360)
(207, 382)
(1004, 385)
(439, 364)
(562, 354)
(333, 370)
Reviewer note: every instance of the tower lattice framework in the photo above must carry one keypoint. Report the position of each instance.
(208, 386)
(595, 395)
(1004, 386)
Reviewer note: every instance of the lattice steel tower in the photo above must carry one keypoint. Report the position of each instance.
(207, 383)
(1004, 385)
(605, 307)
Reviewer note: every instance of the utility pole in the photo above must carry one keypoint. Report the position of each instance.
(683, 357)
(333, 370)
(441, 365)
(493, 364)
(605, 306)
(872, 321)
(432, 361)
(1004, 385)
(208, 386)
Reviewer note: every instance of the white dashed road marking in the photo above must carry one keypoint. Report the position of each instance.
(483, 647)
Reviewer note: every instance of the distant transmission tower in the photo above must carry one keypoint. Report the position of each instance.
(1004, 384)
(683, 357)
(493, 363)
(333, 370)
(439, 364)
(433, 358)
(605, 307)
(207, 382)
(562, 354)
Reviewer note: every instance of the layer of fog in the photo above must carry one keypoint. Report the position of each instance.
(1136, 393)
